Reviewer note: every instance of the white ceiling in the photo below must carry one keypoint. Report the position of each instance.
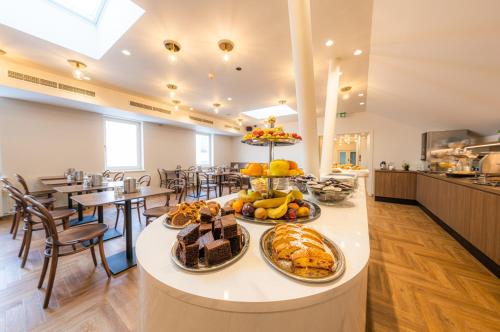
(260, 31)
(436, 64)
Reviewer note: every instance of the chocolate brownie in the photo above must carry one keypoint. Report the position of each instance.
(189, 234)
(207, 238)
(217, 252)
(229, 226)
(217, 229)
(205, 215)
(227, 210)
(205, 228)
(237, 242)
(189, 253)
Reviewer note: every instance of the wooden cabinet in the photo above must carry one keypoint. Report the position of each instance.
(395, 184)
(473, 213)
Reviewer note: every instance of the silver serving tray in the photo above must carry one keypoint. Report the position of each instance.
(201, 268)
(339, 266)
(314, 214)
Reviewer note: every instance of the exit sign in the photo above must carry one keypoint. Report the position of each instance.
(341, 115)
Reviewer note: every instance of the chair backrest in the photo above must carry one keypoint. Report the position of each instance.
(21, 180)
(119, 176)
(37, 209)
(192, 168)
(178, 185)
(170, 174)
(162, 175)
(17, 196)
(6, 182)
(106, 173)
(144, 181)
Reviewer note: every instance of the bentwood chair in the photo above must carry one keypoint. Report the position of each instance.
(32, 225)
(118, 176)
(17, 210)
(137, 203)
(43, 196)
(232, 181)
(106, 173)
(163, 177)
(68, 242)
(206, 184)
(179, 187)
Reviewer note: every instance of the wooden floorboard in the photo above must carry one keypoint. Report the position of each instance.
(420, 279)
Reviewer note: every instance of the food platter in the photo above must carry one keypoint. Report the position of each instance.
(314, 214)
(167, 222)
(266, 141)
(316, 277)
(202, 268)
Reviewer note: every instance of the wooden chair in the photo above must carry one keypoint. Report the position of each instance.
(61, 217)
(207, 184)
(16, 217)
(118, 176)
(106, 174)
(163, 177)
(232, 181)
(179, 187)
(137, 203)
(58, 244)
(43, 196)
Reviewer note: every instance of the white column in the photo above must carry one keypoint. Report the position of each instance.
(332, 89)
(299, 12)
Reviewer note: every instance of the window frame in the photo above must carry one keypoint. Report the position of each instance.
(140, 146)
(210, 150)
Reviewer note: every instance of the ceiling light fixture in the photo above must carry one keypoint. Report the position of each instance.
(173, 48)
(191, 109)
(126, 52)
(340, 73)
(176, 103)
(346, 96)
(216, 107)
(361, 94)
(345, 88)
(78, 71)
(226, 46)
(282, 102)
(329, 43)
(172, 88)
(357, 52)
(361, 103)
(229, 98)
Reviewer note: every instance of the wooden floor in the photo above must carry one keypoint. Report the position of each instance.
(420, 279)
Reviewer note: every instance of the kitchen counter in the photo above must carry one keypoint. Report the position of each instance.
(250, 295)
(463, 182)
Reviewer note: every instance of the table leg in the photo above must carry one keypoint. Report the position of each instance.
(126, 259)
(111, 233)
(221, 178)
(70, 201)
(81, 220)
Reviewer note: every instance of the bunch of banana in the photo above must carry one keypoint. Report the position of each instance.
(278, 200)
(280, 211)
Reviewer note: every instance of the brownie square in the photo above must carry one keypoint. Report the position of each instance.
(205, 215)
(217, 252)
(226, 210)
(205, 228)
(237, 242)
(207, 238)
(189, 234)
(217, 229)
(189, 253)
(229, 226)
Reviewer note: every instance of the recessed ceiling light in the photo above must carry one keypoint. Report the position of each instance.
(191, 108)
(361, 94)
(329, 43)
(229, 98)
(345, 88)
(171, 94)
(126, 52)
(216, 107)
(78, 71)
(361, 103)
(358, 52)
(176, 103)
(346, 96)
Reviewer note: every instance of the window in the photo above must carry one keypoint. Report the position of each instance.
(203, 150)
(88, 9)
(123, 145)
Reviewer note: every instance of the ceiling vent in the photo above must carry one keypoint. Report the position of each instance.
(49, 83)
(149, 107)
(195, 118)
(232, 127)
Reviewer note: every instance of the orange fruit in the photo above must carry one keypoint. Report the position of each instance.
(294, 206)
(303, 212)
(237, 205)
(254, 169)
(293, 164)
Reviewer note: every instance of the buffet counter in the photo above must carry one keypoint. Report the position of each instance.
(250, 295)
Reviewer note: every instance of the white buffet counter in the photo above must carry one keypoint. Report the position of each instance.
(250, 295)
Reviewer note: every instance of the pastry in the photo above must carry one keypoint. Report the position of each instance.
(229, 226)
(189, 234)
(188, 254)
(217, 229)
(237, 242)
(217, 252)
(227, 210)
(204, 240)
(205, 215)
(205, 228)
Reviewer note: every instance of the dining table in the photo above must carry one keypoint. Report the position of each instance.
(52, 177)
(80, 189)
(60, 182)
(219, 179)
(125, 259)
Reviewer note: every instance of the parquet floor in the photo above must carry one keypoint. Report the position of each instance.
(420, 279)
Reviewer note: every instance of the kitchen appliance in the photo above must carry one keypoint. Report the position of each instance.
(129, 185)
(383, 165)
(490, 164)
(96, 180)
(78, 175)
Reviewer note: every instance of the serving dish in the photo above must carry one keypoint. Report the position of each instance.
(167, 222)
(284, 266)
(202, 268)
(315, 213)
(331, 191)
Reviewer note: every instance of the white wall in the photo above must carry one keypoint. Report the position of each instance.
(38, 139)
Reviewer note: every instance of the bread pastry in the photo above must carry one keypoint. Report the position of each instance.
(303, 247)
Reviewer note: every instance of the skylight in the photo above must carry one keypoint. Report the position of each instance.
(264, 113)
(87, 9)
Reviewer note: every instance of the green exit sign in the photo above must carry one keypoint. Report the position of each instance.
(341, 115)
